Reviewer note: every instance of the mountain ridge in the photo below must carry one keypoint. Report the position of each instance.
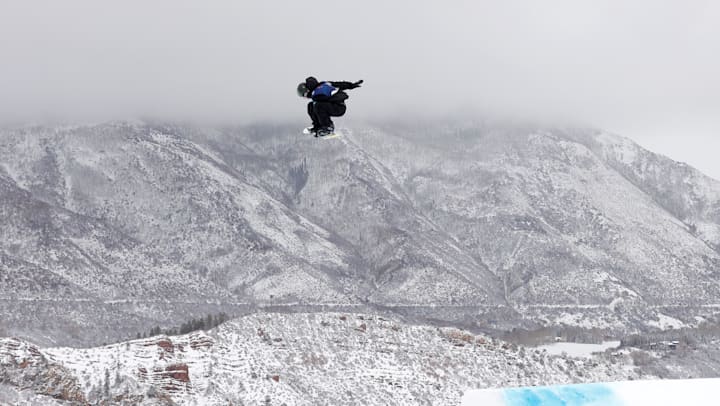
(519, 226)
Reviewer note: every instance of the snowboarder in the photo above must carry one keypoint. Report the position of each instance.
(328, 100)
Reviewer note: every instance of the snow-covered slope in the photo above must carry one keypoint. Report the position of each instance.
(571, 236)
(685, 192)
(546, 218)
(131, 224)
(300, 359)
(628, 393)
(111, 229)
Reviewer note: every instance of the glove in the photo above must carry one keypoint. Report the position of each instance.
(357, 84)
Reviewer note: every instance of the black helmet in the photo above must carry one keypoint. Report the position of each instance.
(311, 83)
(302, 90)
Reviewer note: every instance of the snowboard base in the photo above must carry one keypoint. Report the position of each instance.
(336, 134)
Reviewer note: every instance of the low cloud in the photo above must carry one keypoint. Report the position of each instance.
(612, 63)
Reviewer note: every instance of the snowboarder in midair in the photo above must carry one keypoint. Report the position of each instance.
(328, 100)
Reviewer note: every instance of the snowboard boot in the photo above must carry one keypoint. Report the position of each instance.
(325, 131)
(312, 130)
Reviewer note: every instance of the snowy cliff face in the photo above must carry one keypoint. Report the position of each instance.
(680, 189)
(299, 359)
(560, 222)
(549, 220)
(115, 226)
(110, 229)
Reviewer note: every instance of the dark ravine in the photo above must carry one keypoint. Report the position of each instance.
(113, 228)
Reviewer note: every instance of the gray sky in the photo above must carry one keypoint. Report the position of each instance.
(646, 69)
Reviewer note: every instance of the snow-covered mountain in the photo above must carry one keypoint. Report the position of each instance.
(298, 359)
(110, 229)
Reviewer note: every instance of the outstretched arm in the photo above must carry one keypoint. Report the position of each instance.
(346, 85)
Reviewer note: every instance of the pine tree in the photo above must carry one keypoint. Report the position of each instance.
(106, 385)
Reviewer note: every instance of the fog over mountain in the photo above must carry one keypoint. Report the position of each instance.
(644, 68)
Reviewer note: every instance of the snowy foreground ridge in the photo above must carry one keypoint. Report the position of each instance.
(696, 392)
(291, 359)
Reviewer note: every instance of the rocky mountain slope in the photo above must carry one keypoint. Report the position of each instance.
(110, 229)
(299, 359)
(558, 218)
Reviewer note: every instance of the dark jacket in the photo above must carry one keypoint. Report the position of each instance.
(337, 97)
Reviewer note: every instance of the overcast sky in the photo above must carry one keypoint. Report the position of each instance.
(647, 69)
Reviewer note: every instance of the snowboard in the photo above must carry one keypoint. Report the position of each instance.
(336, 134)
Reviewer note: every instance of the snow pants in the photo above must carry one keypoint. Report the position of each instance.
(320, 113)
